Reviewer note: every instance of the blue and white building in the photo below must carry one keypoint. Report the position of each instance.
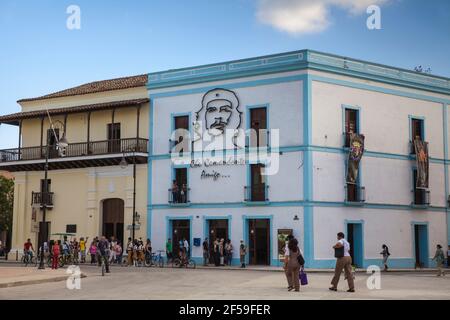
(304, 103)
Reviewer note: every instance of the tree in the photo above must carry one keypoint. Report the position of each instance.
(6, 204)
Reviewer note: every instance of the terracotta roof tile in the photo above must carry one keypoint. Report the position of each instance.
(97, 86)
(16, 117)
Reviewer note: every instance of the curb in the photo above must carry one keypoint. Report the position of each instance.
(37, 281)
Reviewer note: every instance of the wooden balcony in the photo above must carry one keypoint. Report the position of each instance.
(76, 155)
(42, 198)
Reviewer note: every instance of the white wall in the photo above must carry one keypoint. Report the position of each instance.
(390, 227)
(384, 118)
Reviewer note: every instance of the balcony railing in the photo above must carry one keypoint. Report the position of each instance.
(80, 149)
(257, 193)
(42, 198)
(355, 193)
(179, 196)
(421, 197)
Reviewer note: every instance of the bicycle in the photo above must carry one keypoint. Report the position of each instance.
(183, 262)
(156, 259)
(28, 258)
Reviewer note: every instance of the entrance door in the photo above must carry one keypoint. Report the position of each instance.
(421, 245)
(113, 219)
(218, 229)
(180, 230)
(354, 237)
(259, 241)
(114, 138)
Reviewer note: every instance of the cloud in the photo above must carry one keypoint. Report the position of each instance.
(306, 16)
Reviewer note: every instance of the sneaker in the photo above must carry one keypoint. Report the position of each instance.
(290, 288)
(332, 288)
(351, 290)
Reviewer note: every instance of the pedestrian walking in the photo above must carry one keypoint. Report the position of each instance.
(242, 253)
(186, 248)
(216, 252)
(130, 246)
(221, 251)
(386, 254)
(286, 256)
(205, 252)
(292, 265)
(169, 250)
(93, 252)
(103, 251)
(228, 252)
(55, 254)
(439, 257)
(343, 262)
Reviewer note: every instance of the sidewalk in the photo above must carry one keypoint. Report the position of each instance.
(12, 276)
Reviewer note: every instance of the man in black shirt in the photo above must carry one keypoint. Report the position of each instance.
(103, 250)
(205, 252)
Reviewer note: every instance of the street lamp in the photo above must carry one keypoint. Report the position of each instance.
(124, 164)
(61, 144)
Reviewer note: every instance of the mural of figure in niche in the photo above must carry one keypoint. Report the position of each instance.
(218, 121)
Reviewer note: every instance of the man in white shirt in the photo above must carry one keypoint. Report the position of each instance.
(343, 262)
(186, 246)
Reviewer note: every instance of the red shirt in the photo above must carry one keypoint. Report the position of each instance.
(55, 249)
(27, 245)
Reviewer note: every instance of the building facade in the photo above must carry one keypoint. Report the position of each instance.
(250, 150)
(304, 105)
(87, 193)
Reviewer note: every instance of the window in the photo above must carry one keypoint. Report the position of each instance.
(71, 228)
(351, 124)
(258, 124)
(181, 126)
(257, 183)
(417, 132)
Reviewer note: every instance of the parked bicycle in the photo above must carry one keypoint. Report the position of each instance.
(156, 259)
(183, 262)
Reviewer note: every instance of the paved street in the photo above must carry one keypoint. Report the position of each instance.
(168, 283)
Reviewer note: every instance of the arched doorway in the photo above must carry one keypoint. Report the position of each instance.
(113, 218)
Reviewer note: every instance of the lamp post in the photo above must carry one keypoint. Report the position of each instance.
(61, 145)
(123, 165)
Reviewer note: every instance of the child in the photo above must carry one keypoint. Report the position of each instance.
(55, 254)
(93, 252)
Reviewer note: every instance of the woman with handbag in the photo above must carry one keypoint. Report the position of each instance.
(292, 265)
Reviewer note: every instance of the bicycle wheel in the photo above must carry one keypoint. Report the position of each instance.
(61, 261)
(161, 262)
(191, 264)
(176, 263)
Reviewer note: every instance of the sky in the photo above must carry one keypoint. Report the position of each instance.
(39, 54)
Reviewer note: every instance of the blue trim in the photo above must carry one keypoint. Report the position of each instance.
(301, 203)
(298, 60)
(149, 172)
(308, 212)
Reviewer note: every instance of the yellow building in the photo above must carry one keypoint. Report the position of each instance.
(89, 189)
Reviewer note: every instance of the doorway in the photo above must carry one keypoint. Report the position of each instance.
(218, 228)
(259, 241)
(420, 245)
(355, 238)
(181, 229)
(113, 219)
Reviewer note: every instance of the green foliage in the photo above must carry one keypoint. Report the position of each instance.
(6, 203)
